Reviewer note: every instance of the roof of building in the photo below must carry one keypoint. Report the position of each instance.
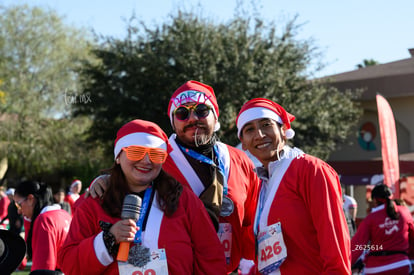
(394, 79)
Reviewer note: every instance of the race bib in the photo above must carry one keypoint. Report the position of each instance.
(271, 248)
(225, 235)
(156, 266)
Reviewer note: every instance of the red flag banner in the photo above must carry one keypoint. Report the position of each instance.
(389, 145)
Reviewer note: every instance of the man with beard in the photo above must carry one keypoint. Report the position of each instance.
(222, 176)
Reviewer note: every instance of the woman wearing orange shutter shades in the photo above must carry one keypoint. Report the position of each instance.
(173, 233)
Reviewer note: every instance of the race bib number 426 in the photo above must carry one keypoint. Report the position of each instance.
(271, 248)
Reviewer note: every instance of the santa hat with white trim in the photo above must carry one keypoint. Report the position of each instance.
(75, 182)
(194, 92)
(141, 133)
(264, 108)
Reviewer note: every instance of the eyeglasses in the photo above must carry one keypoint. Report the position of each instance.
(136, 153)
(183, 112)
(19, 203)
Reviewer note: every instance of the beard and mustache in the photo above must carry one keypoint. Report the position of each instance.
(200, 137)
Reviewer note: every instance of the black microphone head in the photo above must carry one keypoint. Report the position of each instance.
(132, 207)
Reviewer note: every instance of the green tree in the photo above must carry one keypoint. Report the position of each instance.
(241, 59)
(366, 63)
(39, 59)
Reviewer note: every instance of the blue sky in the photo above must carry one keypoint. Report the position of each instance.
(345, 31)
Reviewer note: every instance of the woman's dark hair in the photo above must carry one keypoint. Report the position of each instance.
(44, 197)
(169, 191)
(382, 194)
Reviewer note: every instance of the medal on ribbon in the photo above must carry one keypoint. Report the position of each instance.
(227, 207)
(139, 255)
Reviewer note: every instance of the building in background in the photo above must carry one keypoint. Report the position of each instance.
(360, 164)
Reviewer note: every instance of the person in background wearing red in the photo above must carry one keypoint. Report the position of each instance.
(300, 226)
(14, 218)
(4, 203)
(74, 193)
(173, 231)
(49, 224)
(388, 233)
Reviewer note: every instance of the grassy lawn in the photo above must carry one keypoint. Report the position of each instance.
(26, 271)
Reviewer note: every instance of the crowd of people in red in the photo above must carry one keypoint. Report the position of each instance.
(190, 204)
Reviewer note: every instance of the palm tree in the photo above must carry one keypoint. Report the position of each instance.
(367, 63)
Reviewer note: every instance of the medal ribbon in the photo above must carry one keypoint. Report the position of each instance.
(262, 197)
(144, 208)
(209, 161)
(276, 170)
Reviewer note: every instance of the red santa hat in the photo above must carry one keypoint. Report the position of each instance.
(75, 182)
(194, 92)
(142, 133)
(264, 108)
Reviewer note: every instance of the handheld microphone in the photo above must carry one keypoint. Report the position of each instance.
(130, 210)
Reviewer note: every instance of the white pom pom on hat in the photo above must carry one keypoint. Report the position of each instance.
(264, 108)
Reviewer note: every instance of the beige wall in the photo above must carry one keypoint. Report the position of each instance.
(360, 192)
(403, 109)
